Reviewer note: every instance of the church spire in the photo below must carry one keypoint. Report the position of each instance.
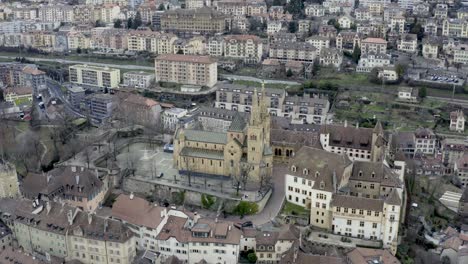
(255, 113)
(263, 102)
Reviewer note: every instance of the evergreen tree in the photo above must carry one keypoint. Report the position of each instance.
(356, 53)
(295, 7)
(292, 27)
(161, 7)
(118, 23)
(137, 21)
(130, 23)
(423, 92)
(289, 73)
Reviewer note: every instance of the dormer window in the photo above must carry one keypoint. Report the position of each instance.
(305, 172)
(322, 185)
(293, 168)
(317, 174)
(373, 175)
(360, 173)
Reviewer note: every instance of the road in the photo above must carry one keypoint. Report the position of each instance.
(254, 79)
(462, 102)
(56, 91)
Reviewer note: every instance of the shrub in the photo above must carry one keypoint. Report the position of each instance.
(252, 257)
(246, 208)
(207, 201)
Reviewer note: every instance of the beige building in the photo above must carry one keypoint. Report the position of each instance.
(9, 184)
(461, 169)
(246, 47)
(455, 28)
(186, 69)
(152, 41)
(460, 54)
(138, 79)
(203, 20)
(319, 42)
(271, 245)
(76, 186)
(19, 95)
(314, 10)
(457, 121)
(376, 45)
(68, 233)
(243, 150)
(293, 51)
(408, 43)
(331, 57)
(430, 47)
(77, 40)
(94, 76)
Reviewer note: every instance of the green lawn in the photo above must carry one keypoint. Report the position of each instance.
(23, 101)
(292, 209)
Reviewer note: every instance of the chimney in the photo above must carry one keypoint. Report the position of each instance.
(82, 168)
(230, 227)
(131, 196)
(97, 173)
(48, 178)
(346, 123)
(70, 217)
(73, 169)
(357, 125)
(77, 179)
(48, 207)
(90, 219)
(106, 224)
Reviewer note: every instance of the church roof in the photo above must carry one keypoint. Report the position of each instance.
(237, 124)
(205, 136)
(202, 153)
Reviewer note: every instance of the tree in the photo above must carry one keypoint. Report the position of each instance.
(400, 69)
(295, 7)
(137, 22)
(292, 27)
(130, 23)
(277, 3)
(246, 208)
(252, 257)
(356, 53)
(289, 73)
(161, 7)
(118, 23)
(180, 51)
(99, 23)
(78, 50)
(423, 92)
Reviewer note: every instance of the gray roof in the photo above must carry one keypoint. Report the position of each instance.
(202, 153)
(205, 136)
(347, 201)
(238, 124)
(374, 172)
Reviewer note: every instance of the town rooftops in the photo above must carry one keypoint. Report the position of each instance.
(140, 100)
(10, 255)
(138, 211)
(19, 90)
(32, 71)
(348, 136)
(186, 58)
(347, 201)
(243, 38)
(375, 41)
(462, 162)
(374, 172)
(367, 255)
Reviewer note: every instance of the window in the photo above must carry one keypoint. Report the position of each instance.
(374, 225)
(348, 222)
(353, 211)
(369, 213)
(295, 179)
(376, 213)
(338, 209)
(361, 212)
(361, 224)
(346, 210)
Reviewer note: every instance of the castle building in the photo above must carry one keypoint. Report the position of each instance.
(9, 185)
(244, 149)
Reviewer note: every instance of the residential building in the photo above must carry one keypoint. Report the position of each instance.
(303, 26)
(241, 7)
(348, 40)
(9, 183)
(274, 26)
(430, 47)
(314, 10)
(383, 3)
(358, 199)
(293, 51)
(138, 79)
(186, 69)
(190, 21)
(67, 232)
(305, 109)
(376, 45)
(77, 40)
(331, 57)
(76, 96)
(133, 108)
(271, 245)
(107, 13)
(319, 42)
(441, 11)
(345, 22)
(408, 43)
(452, 150)
(370, 255)
(94, 76)
(100, 106)
(192, 46)
(362, 14)
(171, 117)
(408, 94)
(246, 47)
(152, 41)
(217, 119)
(397, 24)
(109, 39)
(33, 77)
(371, 60)
(461, 169)
(77, 186)
(227, 155)
(457, 121)
(452, 27)
(426, 141)
(363, 144)
(19, 95)
(460, 54)
(388, 73)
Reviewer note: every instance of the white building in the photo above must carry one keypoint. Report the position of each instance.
(171, 117)
(457, 121)
(408, 43)
(426, 141)
(372, 60)
(409, 94)
(274, 26)
(138, 79)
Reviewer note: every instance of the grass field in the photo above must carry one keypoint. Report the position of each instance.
(292, 209)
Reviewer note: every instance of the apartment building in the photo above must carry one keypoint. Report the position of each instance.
(100, 106)
(376, 45)
(369, 205)
(84, 14)
(39, 40)
(293, 51)
(109, 39)
(152, 41)
(460, 54)
(319, 42)
(9, 183)
(77, 40)
(192, 46)
(77, 186)
(369, 3)
(76, 96)
(305, 109)
(425, 141)
(408, 43)
(274, 26)
(461, 169)
(56, 13)
(430, 47)
(246, 47)
(241, 7)
(191, 21)
(331, 57)
(441, 11)
(107, 13)
(186, 69)
(66, 232)
(453, 27)
(171, 117)
(303, 26)
(217, 119)
(133, 108)
(199, 240)
(314, 10)
(371, 60)
(452, 150)
(138, 79)
(457, 121)
(271, 245)
(362, 14)
(362, 144)
(94, 76)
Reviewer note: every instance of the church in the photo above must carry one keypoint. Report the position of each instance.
(242, 151)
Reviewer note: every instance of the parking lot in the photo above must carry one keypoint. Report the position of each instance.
(444, 78)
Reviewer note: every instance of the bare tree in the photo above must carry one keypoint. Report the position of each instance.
(243, 176)
(132, 162)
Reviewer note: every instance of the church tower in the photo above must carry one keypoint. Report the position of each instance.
(378, 143)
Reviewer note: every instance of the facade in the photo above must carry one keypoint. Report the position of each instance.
(430, 48)
(9, 183)
(65, 232)
(319, 42)
(452, 150)
(246, 47)
(331, 57)
(203, 20)
(243, 150)
(457, 121)
(186, 69)
(408, 43)
(426, 141)
(371, 60)
(94, 76)
(272, 245)
(453, 27)
(409, 94)
(76, 96)
(171, 117)
(461, 169)
(306, 109)
(139, 110)
(314, 10)
(100, 106)
(293, 51)
(139, 80)
(19, 95)
(77, 186)
(358, 199)
(460, 54)
(152, 41)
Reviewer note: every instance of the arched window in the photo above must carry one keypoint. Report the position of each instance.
(360, 173)
(293, 168)
(305, 172)
(317, 174)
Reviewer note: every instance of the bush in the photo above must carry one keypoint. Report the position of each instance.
(246, 208)
(252, 257)
(207, 201)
